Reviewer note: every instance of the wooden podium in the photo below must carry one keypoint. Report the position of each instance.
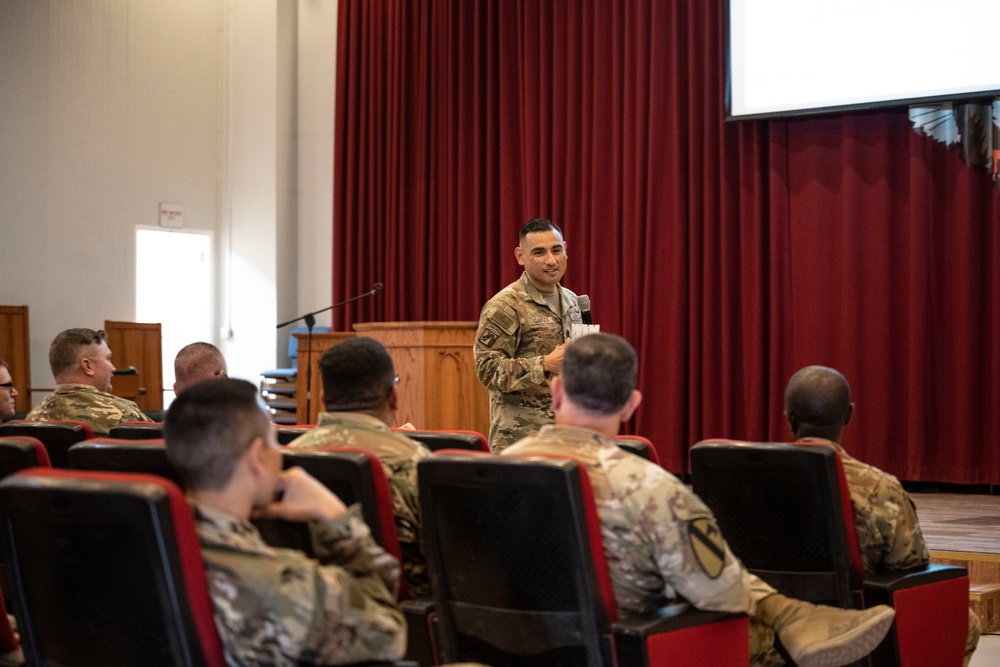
(438, 385)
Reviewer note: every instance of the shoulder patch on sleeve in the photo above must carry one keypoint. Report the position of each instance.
(505, 318)
(489, 338)
(707, 545)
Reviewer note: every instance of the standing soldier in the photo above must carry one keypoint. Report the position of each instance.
(522, 335)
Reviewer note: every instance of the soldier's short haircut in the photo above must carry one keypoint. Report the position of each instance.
(538, 225)
(357, 375)
(210, 427)
(65, 349)
(194, 361)
(599, 372)
(818, 396)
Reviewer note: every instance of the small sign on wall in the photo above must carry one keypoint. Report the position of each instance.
(171, 215)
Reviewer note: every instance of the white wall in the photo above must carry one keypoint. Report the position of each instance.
(109, 107)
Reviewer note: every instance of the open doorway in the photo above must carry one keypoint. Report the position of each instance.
(173, 286)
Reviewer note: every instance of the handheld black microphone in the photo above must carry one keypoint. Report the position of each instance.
(584, 301)
(378, 287)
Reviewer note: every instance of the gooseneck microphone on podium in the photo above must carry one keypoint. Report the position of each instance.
(310, 320)
(584, 301)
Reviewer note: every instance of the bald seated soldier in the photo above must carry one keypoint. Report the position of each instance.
(197, 362)
(818, 406)
(277, 606)
(647, 516)
(81, 364)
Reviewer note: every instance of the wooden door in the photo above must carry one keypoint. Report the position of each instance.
(138, 344)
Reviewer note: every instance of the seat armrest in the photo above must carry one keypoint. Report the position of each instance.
(932, 608)
(881, 586)
(421, 630)
(680, 632)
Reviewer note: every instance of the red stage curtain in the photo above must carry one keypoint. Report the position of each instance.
(729, 254)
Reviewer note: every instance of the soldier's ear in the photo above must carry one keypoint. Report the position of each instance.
(850, 411)
(87, 365)
(519, 254)
(556, 389)
(630, 405)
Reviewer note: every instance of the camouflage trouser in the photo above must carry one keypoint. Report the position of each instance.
(514, 417)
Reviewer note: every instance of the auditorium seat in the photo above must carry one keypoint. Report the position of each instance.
(288, 433)
(435, 440)
(785, 511)
(108, 571)
(122, 455)
(640, 446)
(137, 430)
(356, 476)
(514, 585)
(18, 452)
(57, 436)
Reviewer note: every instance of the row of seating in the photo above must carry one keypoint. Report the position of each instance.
(501, 569)
(72, 491)
(58, 437)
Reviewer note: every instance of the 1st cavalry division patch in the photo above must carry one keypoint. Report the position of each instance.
(708, 546)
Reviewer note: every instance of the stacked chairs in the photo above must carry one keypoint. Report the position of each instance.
(57, 436)
(786, 513)
(514, 585)
(436, 440)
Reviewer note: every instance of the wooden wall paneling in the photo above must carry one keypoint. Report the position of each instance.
(15, 349)
(139, 344)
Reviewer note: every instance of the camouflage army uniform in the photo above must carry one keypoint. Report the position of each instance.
(279, 607)
(399, 456)
(84, 403)
(657, 534)
(516, 329)
(885, 517)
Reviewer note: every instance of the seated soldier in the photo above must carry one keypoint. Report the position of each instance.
(197, 362)
(278, 606)
(361, 398)
(81, 364)
(651, 521)
(8, 392)
(818, 406)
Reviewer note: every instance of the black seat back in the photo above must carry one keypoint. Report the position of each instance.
(57, 437)
(510, 559)
(779, 506)
(115, 455)
(102, 573)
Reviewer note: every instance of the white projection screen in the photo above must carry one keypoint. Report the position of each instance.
(793, 57)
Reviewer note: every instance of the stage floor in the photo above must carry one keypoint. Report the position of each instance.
(959, 522)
